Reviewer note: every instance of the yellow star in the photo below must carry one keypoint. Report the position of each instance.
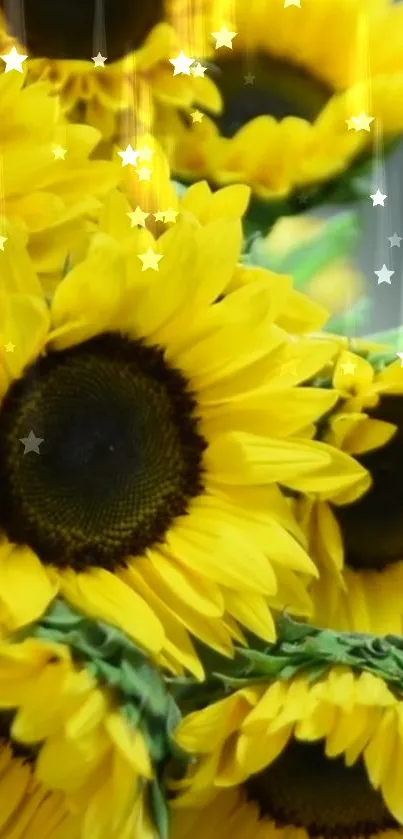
(138, 217)
(13, 60)
(181, 64)
(9, 347)
(59, 153)
(288, 3)
(129, 156)
(197, 116)
(170, 215)
(160, 216)
(3, 240)
(360, 123)
(150, 259)
(348, 368)
(145, 154)
(198, 70)
(144, 173)
(223, 38)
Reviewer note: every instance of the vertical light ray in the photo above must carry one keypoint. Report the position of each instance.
(99, 31)
(14, 14)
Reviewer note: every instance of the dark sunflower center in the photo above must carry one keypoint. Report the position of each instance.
(121, 455)
(78, 29)
(304, 788)
(372, 527)
(266, 86)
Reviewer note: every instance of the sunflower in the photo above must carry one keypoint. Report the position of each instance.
(302, 756)
(109, 62)
(47, 197)
(148, 420)
(85, 726)
(358, 543)
(292, 79)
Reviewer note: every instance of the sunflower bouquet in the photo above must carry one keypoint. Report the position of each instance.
(201, 430)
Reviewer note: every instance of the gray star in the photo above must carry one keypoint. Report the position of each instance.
(384, 275)
(249, 78)
(31, 443)
(395, 240)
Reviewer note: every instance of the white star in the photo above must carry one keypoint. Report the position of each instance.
(31, 443)
(400, 355)
(129, 156)
(395, 240)
(99, 60)
(223, 38)
(348, 368)
(198, 70)
(288, 3)
(384, 275)
(378, 198)
(181, 64)
(59, 153)
(13, 60)
(360, 123)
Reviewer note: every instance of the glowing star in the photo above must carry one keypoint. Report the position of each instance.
(400, 355)
(150, 259)
(13, 60)
(384, 275)
(181, 64)
(249, 78)
(198, 70)
(378, 198)
(348, 368)
(360, 123)
(223, 38)
(197, 116)
(395, 240)
(138, 217)
(296, 3)
(59, 153)
(144, 173)
(31, 443)
(170, 215)
(159, 216)
(145, 154)
(99, 60)
(3, 240)
(129, 156)
(10, 347)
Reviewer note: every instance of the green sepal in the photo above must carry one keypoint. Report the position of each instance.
(158, 808)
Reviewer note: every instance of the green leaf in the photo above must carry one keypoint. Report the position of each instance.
(390, 337)
(158, 808)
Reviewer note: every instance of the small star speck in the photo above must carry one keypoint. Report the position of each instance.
(59, 153)
(348, 368)
(150, 259)
(197, 116)
(223, 38)
(13, 60)
(10, 347)
(99, 60)
(378, 198)
(144, 173)
(360, 123)
(384, 275)
(249, 78)
(145, 154)
(31, 443)
(395, 240)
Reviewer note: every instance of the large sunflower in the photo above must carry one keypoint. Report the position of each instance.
(167, 413)
(292, 79)
(358, 546)
(85, 728)
(63, 37)
(46, 196)
(315, 754)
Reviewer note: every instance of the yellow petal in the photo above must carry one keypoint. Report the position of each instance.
(25, 588)
(130, 743)
(24, 321)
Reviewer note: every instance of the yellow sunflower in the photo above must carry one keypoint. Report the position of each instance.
(298, 758)
(148, 419)
(82, 739)
(357, 543)
(292, 79)
(48, 184)
(109, 62)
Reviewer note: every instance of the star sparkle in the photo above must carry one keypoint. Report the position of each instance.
(360, 123)
(159, 216)
(197, 116)
(3, 240)
(395, 240)
(384, 275)
(348, 368)
(171, 215)
(31, 443)
(198, 70)
(144, 173)
(129, 156)
(249, 78)
(181, 64)
(13, 60)
(296, 3)
(59, 153)
(138, 217)
(99, 60)
(378, 198)
(223, 38)
(145, 154)
(150, 259)
(10, 347)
